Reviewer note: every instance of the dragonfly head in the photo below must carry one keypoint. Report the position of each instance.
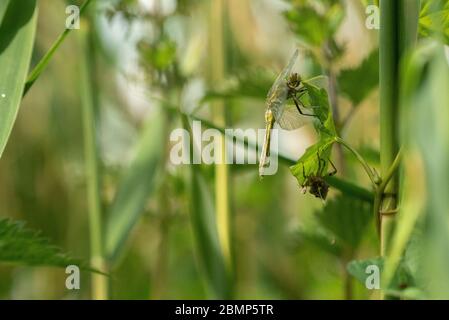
(294, 80)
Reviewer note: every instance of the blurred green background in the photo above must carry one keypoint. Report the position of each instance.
(203, 231)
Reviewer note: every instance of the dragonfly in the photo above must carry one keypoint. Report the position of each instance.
(289, 117)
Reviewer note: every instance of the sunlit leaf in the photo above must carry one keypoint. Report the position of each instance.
(434, 19)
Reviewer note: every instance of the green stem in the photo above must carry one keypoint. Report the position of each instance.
(381, 189)
(389, 87)
(216, 76)
(371, 174)
(43, 63)
(398, 32)
(99, 284)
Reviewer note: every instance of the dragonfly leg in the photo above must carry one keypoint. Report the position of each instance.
(334, 169)
(321, 165)
(305, 182)
(297, 103)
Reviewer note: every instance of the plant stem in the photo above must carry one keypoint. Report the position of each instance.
(381, 189)
(389, 88)
(347, 277)
(371, 174)
(399, 21)
(216, 76)
(43, 63)
(99, 284)
(333, 98)
(398, 32)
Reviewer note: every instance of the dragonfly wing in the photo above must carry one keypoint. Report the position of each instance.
(282, 77)
(318, 81)
(291, 119)
(277, 101)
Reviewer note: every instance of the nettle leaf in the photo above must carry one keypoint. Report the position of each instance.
(309, 163)
(357, 83)
(358, 268)
(346, 218)
(249, 83)
(319, 101)
(401, 281)
(434, 19)
(312, 27)
(320, 239)
(19, 245)
(308, 25)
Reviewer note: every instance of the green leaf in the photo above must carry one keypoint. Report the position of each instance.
(312, 27)
(401, 280)
(17, 30)
(411, 293)
(22, 246)
(425, 110)
(160, 55)
(347, 219)
(434, 19)
(357, 83)
(319, 239)
(249, 83)
(357, 268)
(317, 98)
(136, 185)
(206, 236)
(309, 163)
(308, 25)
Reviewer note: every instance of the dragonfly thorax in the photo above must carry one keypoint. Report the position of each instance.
(268, 115)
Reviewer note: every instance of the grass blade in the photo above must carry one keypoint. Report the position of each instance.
(207, 238)
(136, 185)
(88, 102)
(17, 31)
(40, 67)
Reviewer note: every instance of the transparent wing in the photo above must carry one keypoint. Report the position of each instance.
(291, 119)
(281, 78)
(277, 101)
(279, 91)
(318, 81)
